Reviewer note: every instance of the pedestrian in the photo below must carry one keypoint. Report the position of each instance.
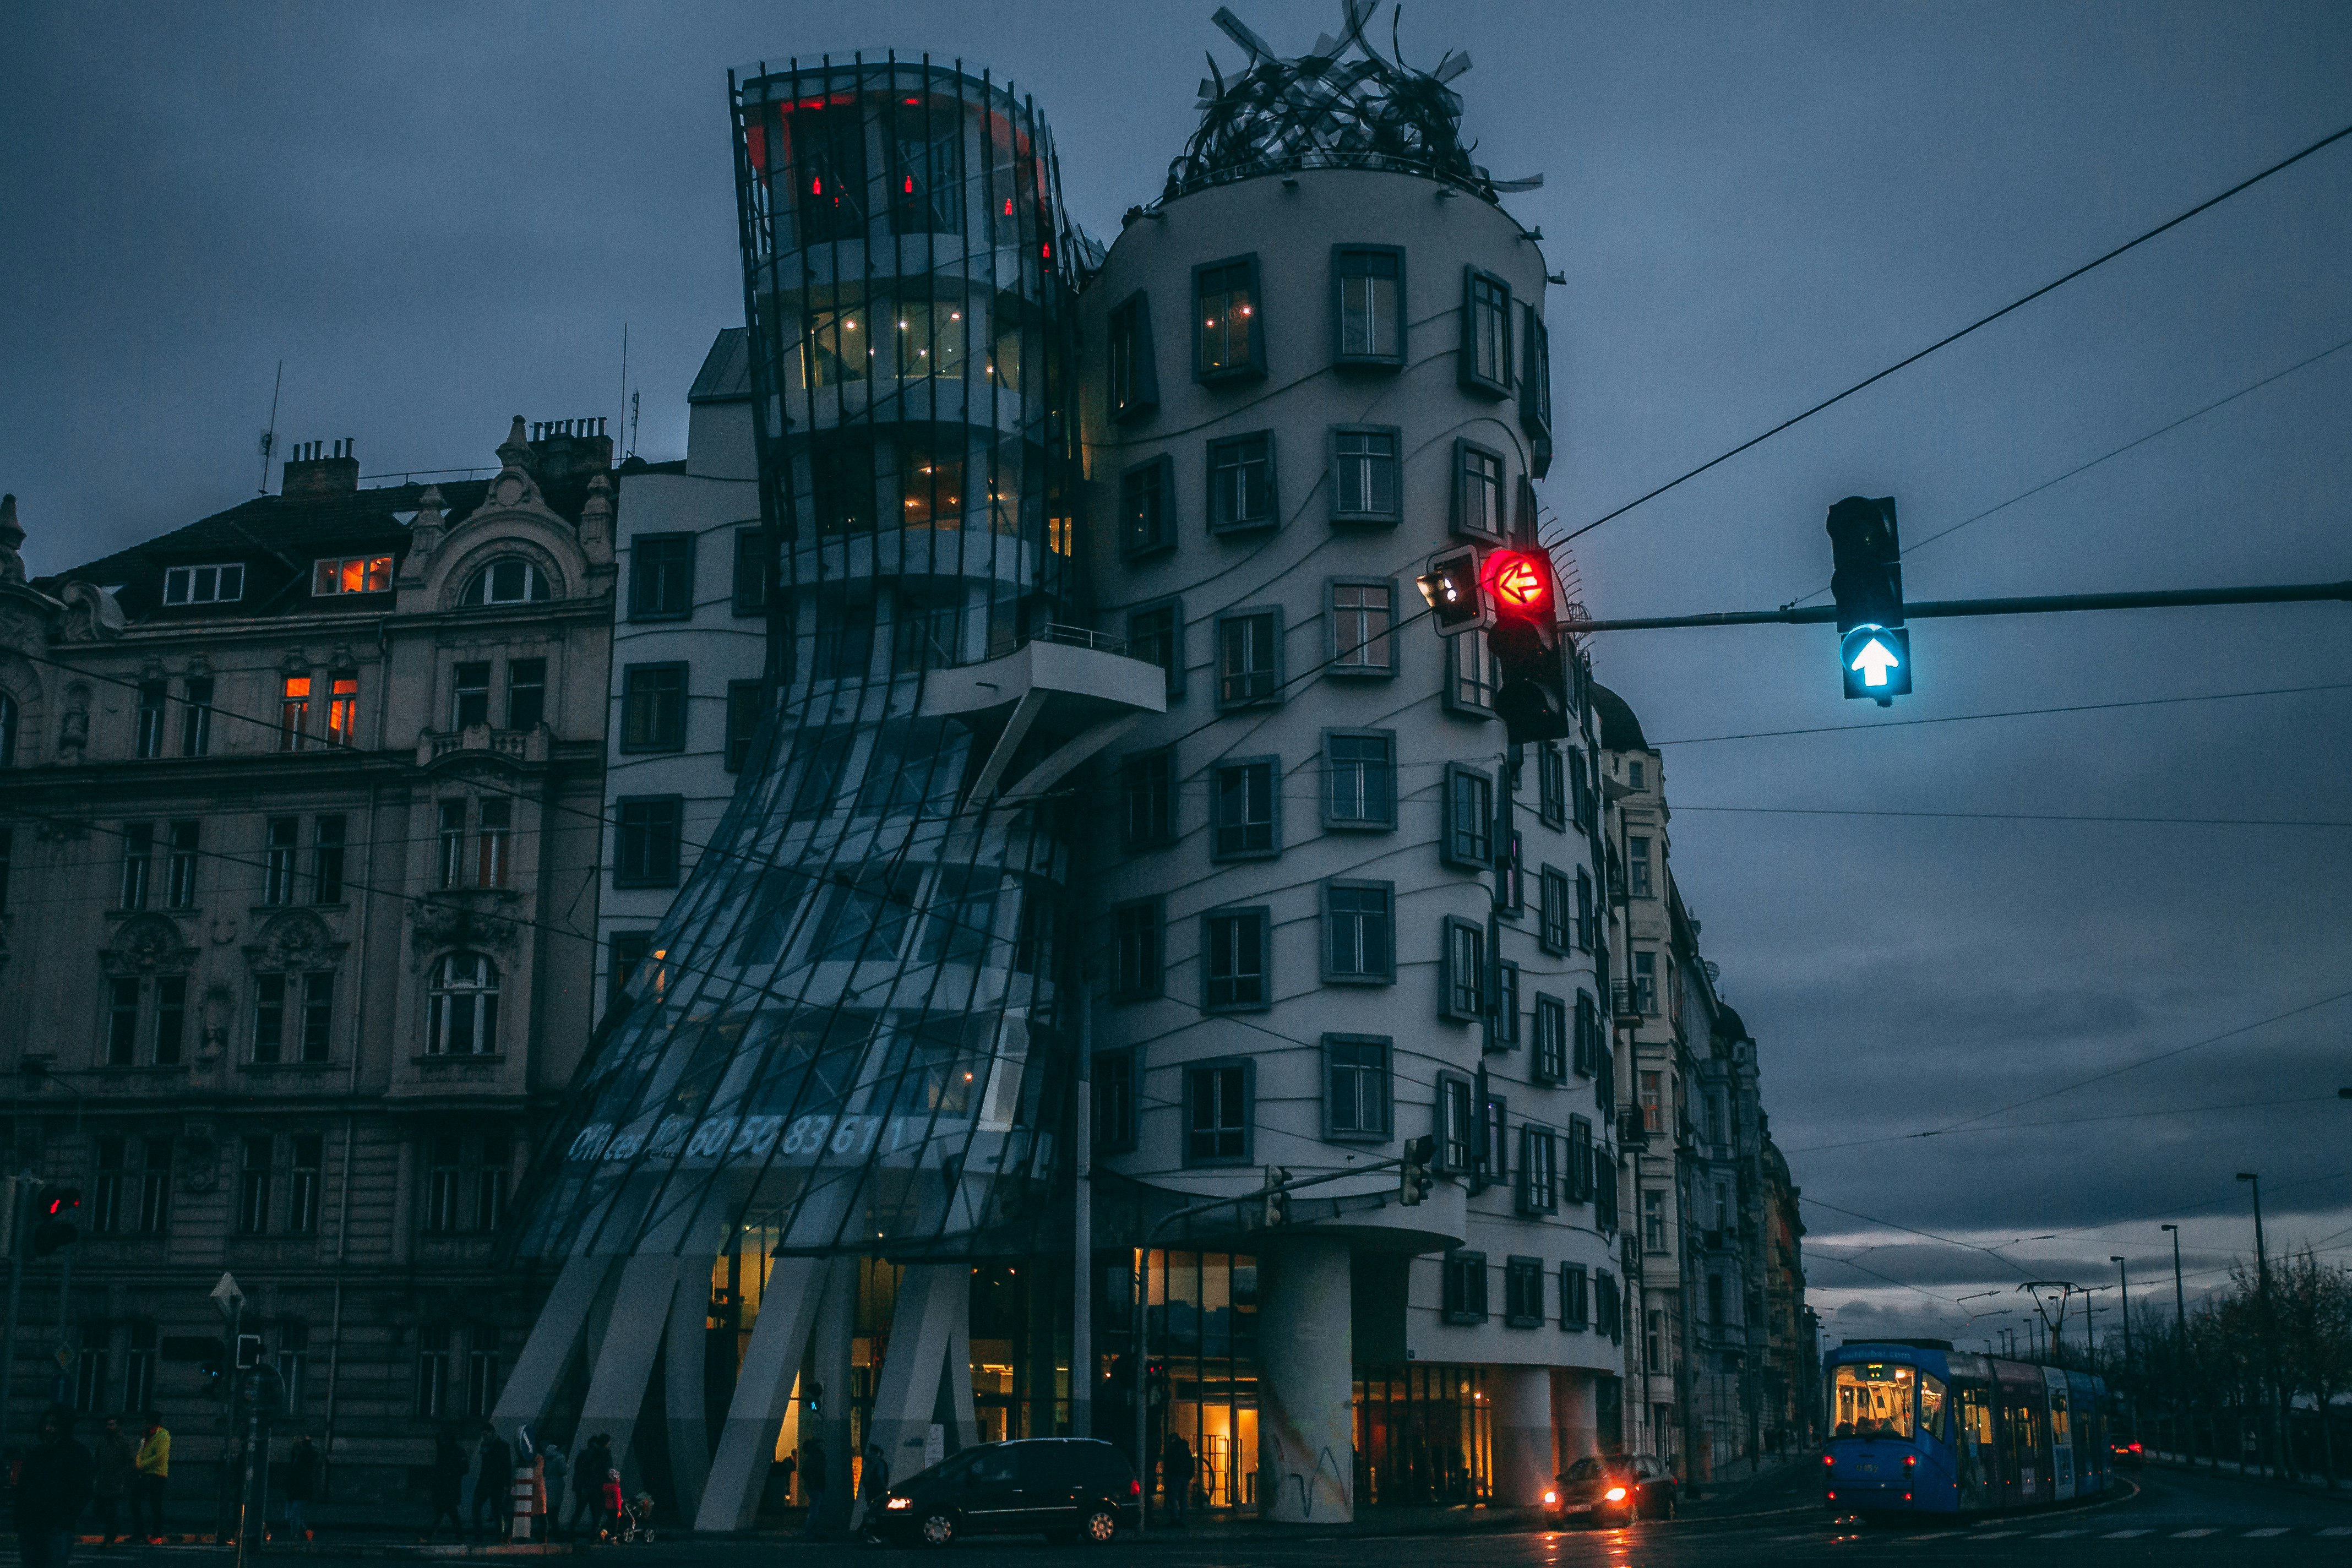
(153, 1463)
(812, 1480)
(117, 1459)
(448, 1484)
(1176, 1475)
(552, 1470)
(493, 1475)
(588, 1480)
(303, 1467)
(873, 1490)
(609, 1501)
(780, 1475)
(53, 1482)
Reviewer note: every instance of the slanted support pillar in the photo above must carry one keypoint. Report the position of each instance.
(789, 1305)
(624, 1357)
(689, 1346)
(539, 1371)
(930, 1336)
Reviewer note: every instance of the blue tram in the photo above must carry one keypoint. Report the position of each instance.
(1919, 1427)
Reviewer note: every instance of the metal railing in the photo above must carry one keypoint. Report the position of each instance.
(1079, 636)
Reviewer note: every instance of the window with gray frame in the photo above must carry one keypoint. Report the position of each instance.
(1469, 835)
(1551, 786)
(1535, 382)
(1358, 1095)
(1578, 1174)
(1462, 969)
(1233, 960)
(653, 708)
(1147, 507)
(1363, 615)
(1135, 950)
(1456, 1125)
(1575, 1298)
(755, 572)
(1584, 909)
(1364, 473)
(1550, 1065)
(1637, 867)
(1155, 634)
(1645, 983)
(1229, 330)
(1358, 933)
(1241, 483)
(1249, 657)
(661, 576)
(1246, 809)
(1553, 932)
(1523, 1292)
(1148, 790)
(1133, 376)
(646, 840)
(1217, 1108)
(1486, 362)
(1360, 779)
(1539, 1188)
(1477, 491)
(744, 711)
(1469, 675)
(1464, 1293)
(1367, 305)
(469, 693)
(1586, 1042)
(1503, 1027)
(1114, 1079)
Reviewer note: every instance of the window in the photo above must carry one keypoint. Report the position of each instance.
(866, 920)
(1654, 1220)
(490, 844)
(491, 1187)
(1367, 305)
(1575, 1297)
(1493, 1140)
(934, 338)
(625, 951)
(512, 581)
(352, 575)
(433, 1367)
(1115, 1101)
(1244, 808)
(1503, 1031)
(1462, 965)
(1470, 674)
(1228, 336)
(745, 709)
(1357, 1096)
(845, 638)
(170, 1019)
(925, 143)
(1584, 935)
(204, 584)
(1714, 1299)
(1362, 615)
(253, 1187)
(327, 861)
(452, 835)
(148, 743)
(1477, 491)
(1466, 1287)
(1654, 1110)
(1249, 657)
(1241, 483)
(1456, 1128)
(1147, 787)
(661, 572)
(1364, 475)
(1551, 786)
(1155, 634)
(923, 637)
(273, 994)
(653, 708)
(138, 862)
(1360, 779)
(139, 1370)
(929, 460)
(1588, 1047)
(647, 832)
(469, 694)
(1217, 1113)
(1233, 961)
(1637, 866)
(154, 1187)
(482, 1365)
(1578, 1177)
(1147, 507)
(1134, 378)
(962, 921)
(1552, 922)
(1606, 1306)
(121, 1023)
(343, 709)
(1469, 841)
(1535, 384)
(293, 712)
(1136, 949)
(1539, 1190)
(1645, 983)
(1485, 364)
(1523, 1292)
(180, 870)
(1360, 932)
(293, 1358)
(303, 1184)
(1634, 774)
(281, 837)
(462, 1007)
(1551, 1064)
(525, 693)
(111, 1192)
(841, 482)
(195, 716)
(755, 572)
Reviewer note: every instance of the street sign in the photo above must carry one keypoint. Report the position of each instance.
(227, 1297)
(1876, 662)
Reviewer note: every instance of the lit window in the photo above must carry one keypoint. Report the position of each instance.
(1228, 338)
(204, 584)
(343, 711)
(293, 712)
(513, 581)
(932, 338)
(352, 575)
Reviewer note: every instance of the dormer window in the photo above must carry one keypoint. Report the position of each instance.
(513, 581)
(204, 584)
(352, 575)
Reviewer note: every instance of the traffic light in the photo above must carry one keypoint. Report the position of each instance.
(1530, 654)
(1414, 1179)
(1452, 587)
(55, 1212)
(1874, 650)
(1277, 1203)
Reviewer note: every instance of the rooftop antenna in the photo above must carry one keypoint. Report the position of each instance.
(627, 401)
(270, 437)
(633, 426)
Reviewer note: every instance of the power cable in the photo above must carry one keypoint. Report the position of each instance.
(2005, 713)
(2020, 816)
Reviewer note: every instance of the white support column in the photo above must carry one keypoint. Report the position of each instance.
(539, 1371)
(789, 1304)
(1522, 1406)
(828, 1424)
(1306, 1402)
(931, 1327)
(624, 1358)
(1575, 1416)
(685, 1349)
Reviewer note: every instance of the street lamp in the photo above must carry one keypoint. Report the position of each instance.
(2180, 1342)
(2123, 1287)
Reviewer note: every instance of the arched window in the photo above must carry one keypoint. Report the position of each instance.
(7, 731)
(512, 581)
(463, 1018)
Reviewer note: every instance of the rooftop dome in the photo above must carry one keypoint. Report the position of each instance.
(1620, 730)
(1340, 106)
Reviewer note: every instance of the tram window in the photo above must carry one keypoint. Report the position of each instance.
(2059, 1427)
(1873, 1399)
(1931, 1407)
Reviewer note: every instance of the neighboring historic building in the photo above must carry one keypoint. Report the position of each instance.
(1792, 1360)
(298, 837)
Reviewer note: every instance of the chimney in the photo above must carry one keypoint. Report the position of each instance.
(566, 449)
(314, 470)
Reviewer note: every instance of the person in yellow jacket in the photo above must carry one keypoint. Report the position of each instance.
(153, 1462)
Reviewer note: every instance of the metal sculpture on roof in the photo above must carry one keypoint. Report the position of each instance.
(1342, 105)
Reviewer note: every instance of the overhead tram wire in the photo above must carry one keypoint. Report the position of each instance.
(1976, 325)
(2006, 713)
(2060, 1121)
(2018, 816)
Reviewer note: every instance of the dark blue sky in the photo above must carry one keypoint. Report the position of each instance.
(439, 216)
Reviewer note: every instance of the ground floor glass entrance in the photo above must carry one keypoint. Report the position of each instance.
(1425, 1435)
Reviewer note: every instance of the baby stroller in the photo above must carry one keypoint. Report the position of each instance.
(635, 1520)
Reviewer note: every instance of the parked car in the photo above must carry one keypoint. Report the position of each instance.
(1614, 1489)
(1065, 1489)
(2126, 1453)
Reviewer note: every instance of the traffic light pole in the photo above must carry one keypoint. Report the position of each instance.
(1940, 609)
(20, 1198)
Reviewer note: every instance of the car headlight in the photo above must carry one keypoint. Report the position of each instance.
(1615, 1494)
(898, 1502)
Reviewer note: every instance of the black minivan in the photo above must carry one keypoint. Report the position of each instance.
(1065, 1489)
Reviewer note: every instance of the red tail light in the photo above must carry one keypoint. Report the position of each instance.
(1909, 1460)
(1829, 1460)
(1135, 1488)
(1833, 1497)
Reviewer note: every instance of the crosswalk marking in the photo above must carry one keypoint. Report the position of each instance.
(2337, 1529)
(1938, 1535)
(2274, 1529)
(2060, 1534)
(2123, 1534)
(1999, 1534)
(2192, 1534)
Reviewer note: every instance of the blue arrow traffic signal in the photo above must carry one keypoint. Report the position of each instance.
(1876, 662)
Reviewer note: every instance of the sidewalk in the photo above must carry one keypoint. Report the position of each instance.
(2259, 1475)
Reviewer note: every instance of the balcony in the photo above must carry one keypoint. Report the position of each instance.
(1633, 1132)
(1624, 1003)
(515, 746)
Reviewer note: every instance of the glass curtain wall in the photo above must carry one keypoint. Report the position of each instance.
(1425, 1435)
